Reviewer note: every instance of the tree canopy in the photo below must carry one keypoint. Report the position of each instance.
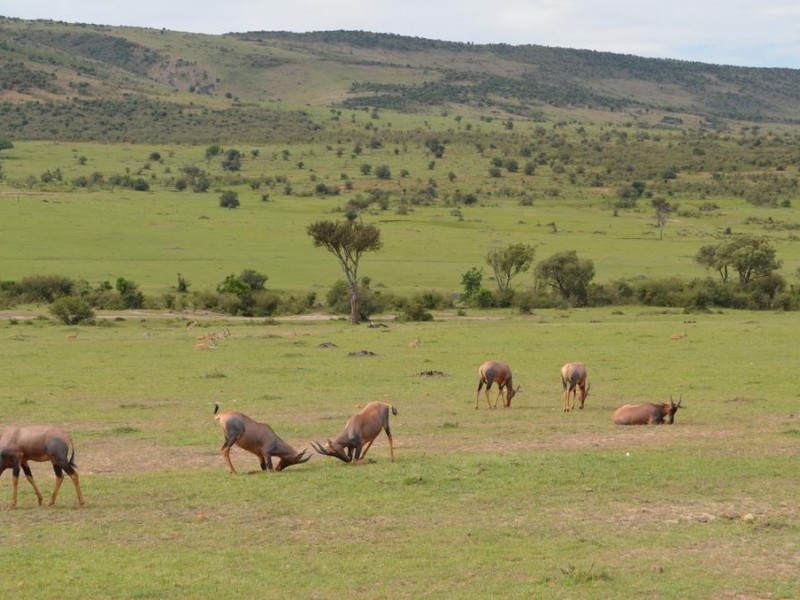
(751, 257)
(568, 275)
(509, 262)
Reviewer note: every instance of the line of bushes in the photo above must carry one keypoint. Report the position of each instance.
(74, 301)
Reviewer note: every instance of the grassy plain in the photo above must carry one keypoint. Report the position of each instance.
(523, 502)
(148, 237)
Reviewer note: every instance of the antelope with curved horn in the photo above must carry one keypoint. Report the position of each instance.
(38, 443)
(646, 414)
(491, 372)
(257, 438)
(361, 430)
(573, 381)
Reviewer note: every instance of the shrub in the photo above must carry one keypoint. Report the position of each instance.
(229, 199)
(72, 311)
(43, 288)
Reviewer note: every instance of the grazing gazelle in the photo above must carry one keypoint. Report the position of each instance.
(646, 414)
(495, 372)
(38, 443)
(573, 381)
(257, 438)
(361, 430)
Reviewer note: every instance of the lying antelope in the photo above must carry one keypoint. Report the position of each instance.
(211, 346)
(646, 414)
(493, 371)
(38, 443)
(361, 430)
(257, 438)
(573, 381)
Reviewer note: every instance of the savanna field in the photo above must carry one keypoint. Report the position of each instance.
(527, 501)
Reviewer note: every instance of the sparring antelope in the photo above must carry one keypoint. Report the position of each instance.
(573, 381)
(38, 443)
(491, 372)
(360, 431)
(257, 438)
(646, 414)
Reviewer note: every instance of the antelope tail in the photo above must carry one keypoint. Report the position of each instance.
(216, 407)
(394, 410)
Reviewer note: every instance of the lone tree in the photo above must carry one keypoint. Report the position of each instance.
(347, 241)
(751, 257)
(509, 262)
(663, 211)
(568, 275)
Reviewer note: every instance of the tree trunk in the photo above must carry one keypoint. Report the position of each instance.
(355, 305)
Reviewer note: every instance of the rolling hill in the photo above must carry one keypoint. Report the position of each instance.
(93, 82)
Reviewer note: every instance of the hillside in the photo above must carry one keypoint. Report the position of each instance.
(92, 82)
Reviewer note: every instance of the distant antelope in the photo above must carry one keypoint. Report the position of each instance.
(257, 438)
(38, 443)
(211, 346)
(72, 336)
(646, 414)
(573, 381)
(499, 372)
(414, 343)
(678, 336)
(360, 431)
(191, 325)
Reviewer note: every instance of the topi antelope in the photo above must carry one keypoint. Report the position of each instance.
(38, 443)
(257, 438)
(361, 430)
(491, 372)
(646, 414)
(573, 381)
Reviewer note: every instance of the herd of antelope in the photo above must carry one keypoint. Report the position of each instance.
(43, 443)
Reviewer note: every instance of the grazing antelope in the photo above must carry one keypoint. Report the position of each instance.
(38, 443)
(573, 380)
(191, 325)
(361, 430)
(493, 371)
(646, 414)
(257, 438)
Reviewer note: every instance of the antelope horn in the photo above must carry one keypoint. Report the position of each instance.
(319, 449)
(301, 457)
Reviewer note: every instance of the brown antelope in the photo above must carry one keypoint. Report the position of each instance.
(38, 443)
(414, 343)
(646, 414)
(257, 438)
(573, 381)
(361, 430)
(491, 372)
(211, 346)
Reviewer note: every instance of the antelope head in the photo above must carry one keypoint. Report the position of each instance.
(673, 408)
(331, 449)
(297, 459)
(510, 393)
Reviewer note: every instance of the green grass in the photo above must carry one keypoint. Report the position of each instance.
(523, 502)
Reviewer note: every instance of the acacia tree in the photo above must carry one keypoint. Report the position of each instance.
(347, 241)
(751, 257)
(568, 275)
(509, 262)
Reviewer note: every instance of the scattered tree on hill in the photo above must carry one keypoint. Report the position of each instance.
(509, 262)
(568, 275)
(5, 144)
(347, 241)
(751, 257)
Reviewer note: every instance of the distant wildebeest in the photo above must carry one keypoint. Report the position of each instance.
(573, 381)
(360, 431)
(495, 372)
(646, 414)
(257, 438)
(38, 443)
